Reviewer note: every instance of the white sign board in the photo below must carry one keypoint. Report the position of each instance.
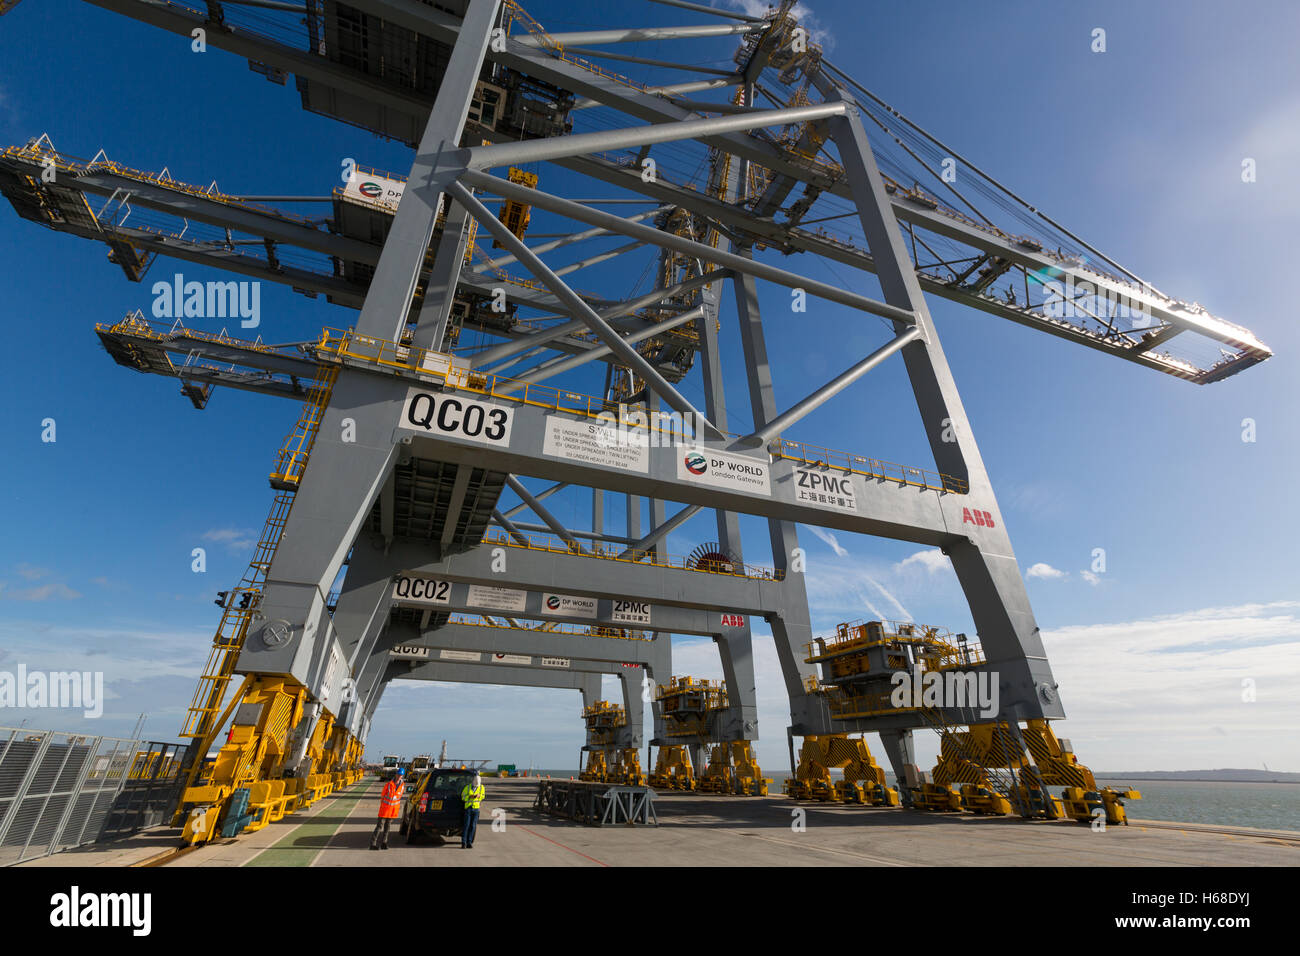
(443, 415)
(511, 659)
(470, 657)
(593, 444)
(498, 599)
(421, 590)
(555, 662)
(824, 488)
(374, 190)
(722, 470)
(568, 606)
(631, 612)
(409, 652)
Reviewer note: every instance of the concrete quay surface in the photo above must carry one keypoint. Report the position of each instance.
(706, 830)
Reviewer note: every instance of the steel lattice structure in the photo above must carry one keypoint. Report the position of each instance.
(781, 155)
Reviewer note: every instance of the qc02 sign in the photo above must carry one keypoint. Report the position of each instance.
(421, 590)
(457, 416)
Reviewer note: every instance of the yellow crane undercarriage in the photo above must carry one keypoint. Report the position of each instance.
(733, 769)
(673, 770)
(990, 769)
(981, 770)
(972, 758)
(863, 780)
(243, 788)
(607, 762)
(621, 766)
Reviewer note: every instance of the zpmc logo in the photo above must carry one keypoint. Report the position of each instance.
(696, 464)
(981, 518)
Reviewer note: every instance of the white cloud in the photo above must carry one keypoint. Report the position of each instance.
(903, 613)
(852, 579)
(845, 586)
(1148, 694)
(829, 538)
(1091, 578)
(1041, 570)
(236, 539)
(46, 592)
(931, 560)
(801, 12)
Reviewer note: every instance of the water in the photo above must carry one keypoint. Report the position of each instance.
(1266, 806)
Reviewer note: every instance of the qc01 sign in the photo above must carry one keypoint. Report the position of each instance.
(457, 416)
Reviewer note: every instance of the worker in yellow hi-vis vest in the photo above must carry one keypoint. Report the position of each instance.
(471, 796)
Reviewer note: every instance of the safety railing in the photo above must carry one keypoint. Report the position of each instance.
(61, 790)
(537, 542)
(137, 325)
(556, 49)
(293, 454)
(383, 353)
(868, 467)
(573, 630)
(686, 695)
(499, 273)
(855, 635)
(604, 715)
(77, 166)
(935, 648)
(685, 725)
(846, 706)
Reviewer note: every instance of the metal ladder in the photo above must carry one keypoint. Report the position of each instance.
(240, 604)
(1000, 779)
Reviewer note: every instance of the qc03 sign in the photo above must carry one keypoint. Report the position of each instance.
(457, 416)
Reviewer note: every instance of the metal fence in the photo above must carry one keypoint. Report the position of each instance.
(61, 790)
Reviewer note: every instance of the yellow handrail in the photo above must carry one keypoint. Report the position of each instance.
(384, 353)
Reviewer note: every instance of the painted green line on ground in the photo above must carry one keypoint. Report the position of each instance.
(300, 847)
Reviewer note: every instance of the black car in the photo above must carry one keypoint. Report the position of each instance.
(434, 806)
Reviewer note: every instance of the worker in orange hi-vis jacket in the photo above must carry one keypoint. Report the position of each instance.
(390, 805)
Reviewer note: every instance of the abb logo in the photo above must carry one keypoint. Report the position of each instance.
(981, 518)
(733, 620)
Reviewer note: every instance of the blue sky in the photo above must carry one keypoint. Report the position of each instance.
(1138, 150)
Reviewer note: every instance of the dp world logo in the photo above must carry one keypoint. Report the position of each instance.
(553, 603)
(696, 464)
(371, 190)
